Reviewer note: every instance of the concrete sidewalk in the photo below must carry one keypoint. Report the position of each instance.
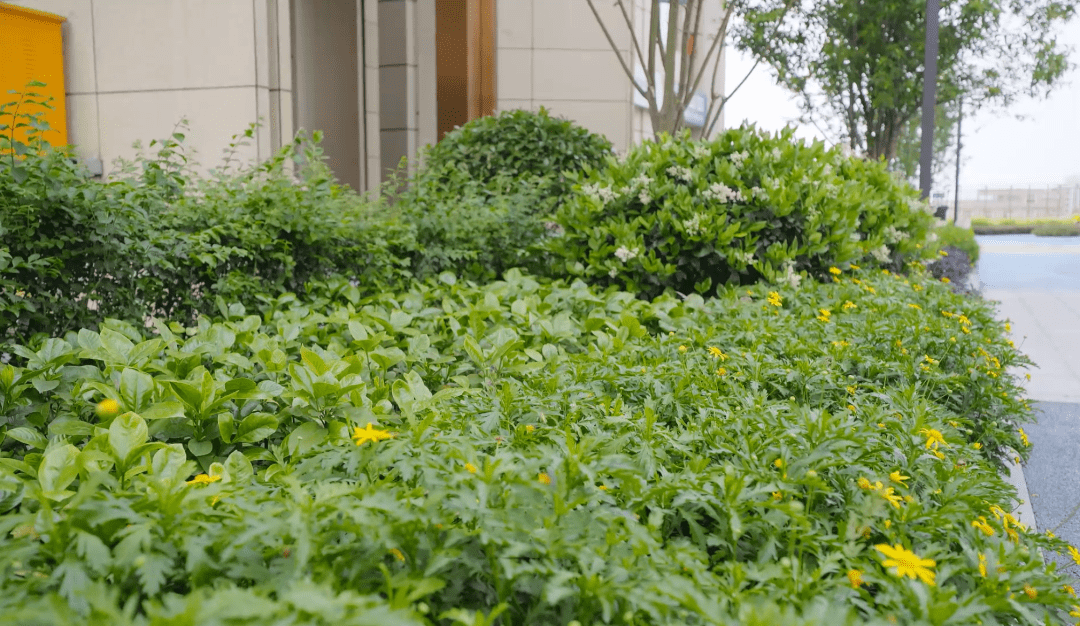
(1045, 327)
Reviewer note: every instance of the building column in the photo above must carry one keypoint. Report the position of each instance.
(398, 83)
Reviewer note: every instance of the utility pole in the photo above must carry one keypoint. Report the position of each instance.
(929, 100)
(959, 124)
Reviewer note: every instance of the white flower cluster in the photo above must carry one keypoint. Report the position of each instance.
(738, 157)
(693, 225)
(746, 258)
(554, 229)
(603, 194)
(791, 277)
(722, 193)
(641, 183)
(701, 151)
(881, 253)
(827, 170)
(932, 238)
(776, 154)
(682, 173)
(895, 235)
(856, 236)
(624, 254)
(759, 193)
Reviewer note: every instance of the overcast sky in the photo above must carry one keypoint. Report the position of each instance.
(998, 150)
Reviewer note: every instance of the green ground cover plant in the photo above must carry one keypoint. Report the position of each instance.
(526, 452)
(747, 206)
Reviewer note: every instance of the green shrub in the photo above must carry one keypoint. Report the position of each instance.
(157, 239)
(1001, 229)
(68, 241)
(482, 195)
(259, 230)
(513, 145)
(691, 216)
(1059, 229)
(957, 237)
(476, 229)
(983, 226)
(540, 452)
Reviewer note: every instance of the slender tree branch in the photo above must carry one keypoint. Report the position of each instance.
(630, 26)
(615, 48)
(720, 37)
(654, 45)
(788, 4)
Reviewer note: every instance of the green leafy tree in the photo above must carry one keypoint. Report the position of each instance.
(858, 64)
(907, 154)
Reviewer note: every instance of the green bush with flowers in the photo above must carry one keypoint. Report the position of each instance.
(690, 216)
(527, 452)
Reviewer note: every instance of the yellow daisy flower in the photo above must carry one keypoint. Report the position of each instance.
(907, 563)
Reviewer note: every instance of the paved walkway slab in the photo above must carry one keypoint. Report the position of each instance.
(1053, 474)
(1037, 289)
(1046, 327)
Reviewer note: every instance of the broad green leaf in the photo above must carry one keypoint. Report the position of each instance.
(126, 433)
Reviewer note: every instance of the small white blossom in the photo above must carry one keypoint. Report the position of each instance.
(701, 151)
(641, 180)
(644, 197)
(595, 191)
(759, 193)
(738, 157)
(682, 173)
(722, 193)
(624, 254)
(895, 235)
(827, 170)
(693, 225)
(932, 238)
(881, 253)
(791, 277)
(613, 272)
(5, 357)
(776, 154)
(554, 229)
(856, 236)
(746, 258)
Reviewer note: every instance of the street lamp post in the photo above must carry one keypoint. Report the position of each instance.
(929, 101)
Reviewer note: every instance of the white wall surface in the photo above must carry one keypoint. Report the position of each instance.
(134, 68)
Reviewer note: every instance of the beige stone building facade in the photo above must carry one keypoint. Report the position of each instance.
(380, 78)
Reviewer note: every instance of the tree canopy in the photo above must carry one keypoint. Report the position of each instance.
(858, 64)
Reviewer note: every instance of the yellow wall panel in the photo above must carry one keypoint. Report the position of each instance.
(31, 48)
